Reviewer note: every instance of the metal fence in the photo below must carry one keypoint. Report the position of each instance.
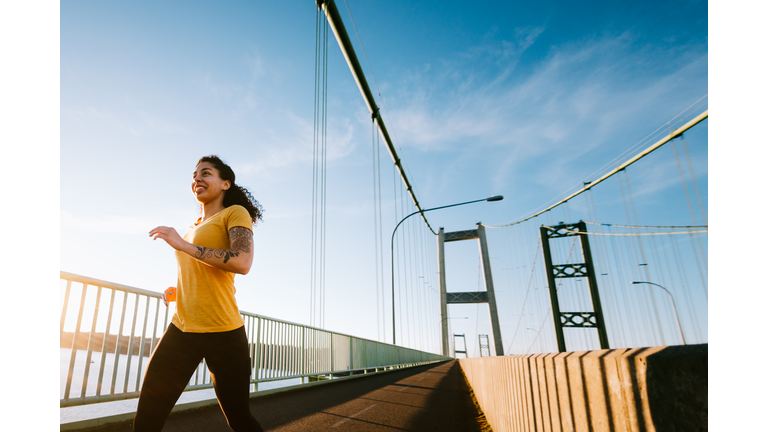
(105, 361)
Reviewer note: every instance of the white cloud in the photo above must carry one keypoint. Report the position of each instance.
(136, 124)
(154, 122)
(579, 98)
(290, 141)
(592, 85)
(219, 90)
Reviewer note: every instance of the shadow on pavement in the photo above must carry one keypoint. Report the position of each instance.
(447, 404)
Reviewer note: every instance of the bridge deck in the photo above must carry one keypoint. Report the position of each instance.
(425, 398)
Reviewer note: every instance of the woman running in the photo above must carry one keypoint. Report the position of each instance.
(207, 323)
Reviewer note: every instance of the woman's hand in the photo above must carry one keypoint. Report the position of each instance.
(237, 259)
(170, 236)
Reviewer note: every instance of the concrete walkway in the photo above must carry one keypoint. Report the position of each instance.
(425, 398)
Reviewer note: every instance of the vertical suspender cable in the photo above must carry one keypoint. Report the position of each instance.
(406, 281)
(693, 180)
(337, 26)
(376, 235)
(650, 320)
(414, 301)
(381, 240)
(397, 254)
(313, 265)
(324, 184)
(684, 282)
(693, 218)
(406, 334)
(319, 156)
(421, 285)
(645, 260)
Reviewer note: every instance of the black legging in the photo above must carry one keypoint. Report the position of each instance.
(175, 359)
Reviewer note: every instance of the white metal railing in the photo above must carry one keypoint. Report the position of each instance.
(280, 350)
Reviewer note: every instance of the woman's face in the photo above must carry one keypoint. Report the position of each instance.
(207, 186)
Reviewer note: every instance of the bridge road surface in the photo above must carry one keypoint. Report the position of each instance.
(425, 398)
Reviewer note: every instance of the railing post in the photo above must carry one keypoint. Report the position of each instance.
(141, 348)
(351, 355)
(258, 352)
(91, 337)
(130, 345)
(64, 308)
(303, 353)
(105, 343)
(75, 336)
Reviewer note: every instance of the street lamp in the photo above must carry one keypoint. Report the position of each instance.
(392, 250)
(673, 305)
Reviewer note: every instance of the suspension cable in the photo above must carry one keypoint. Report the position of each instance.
(333, 17)
(674, 134)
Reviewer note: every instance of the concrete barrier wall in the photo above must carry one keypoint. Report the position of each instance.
(640, 389)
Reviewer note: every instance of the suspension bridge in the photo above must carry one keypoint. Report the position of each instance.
(596, 305)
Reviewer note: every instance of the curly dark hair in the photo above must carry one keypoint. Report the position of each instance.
(236, 194)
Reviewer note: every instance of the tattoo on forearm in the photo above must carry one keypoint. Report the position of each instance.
(240, 238)
(204, 252)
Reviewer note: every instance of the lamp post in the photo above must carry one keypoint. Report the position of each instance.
(392, 250)
(677, 317)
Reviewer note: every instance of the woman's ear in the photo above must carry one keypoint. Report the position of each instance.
(227, 184)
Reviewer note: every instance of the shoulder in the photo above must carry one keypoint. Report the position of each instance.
(236, 209)
(237, 215)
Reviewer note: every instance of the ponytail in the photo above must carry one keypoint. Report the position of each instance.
(238, 195)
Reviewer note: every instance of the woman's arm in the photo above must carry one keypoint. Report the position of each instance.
(237, 259)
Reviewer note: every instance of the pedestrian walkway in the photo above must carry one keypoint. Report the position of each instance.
(425, 398)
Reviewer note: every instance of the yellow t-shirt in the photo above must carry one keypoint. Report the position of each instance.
(205, 295)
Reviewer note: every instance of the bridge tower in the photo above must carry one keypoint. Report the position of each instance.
(586, 270)
(460, 351)
(486, 345)
(486, 296)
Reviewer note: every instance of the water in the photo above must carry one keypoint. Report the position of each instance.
(71, 414)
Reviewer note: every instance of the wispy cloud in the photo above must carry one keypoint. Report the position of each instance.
(289, 140)
(214, 88)
(281, 136)
(576, 99)
(135, 124)
(153, 121)
(592, 84)
(242, 94)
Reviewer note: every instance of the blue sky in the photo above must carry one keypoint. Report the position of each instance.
(504, 98)
(177, 83)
